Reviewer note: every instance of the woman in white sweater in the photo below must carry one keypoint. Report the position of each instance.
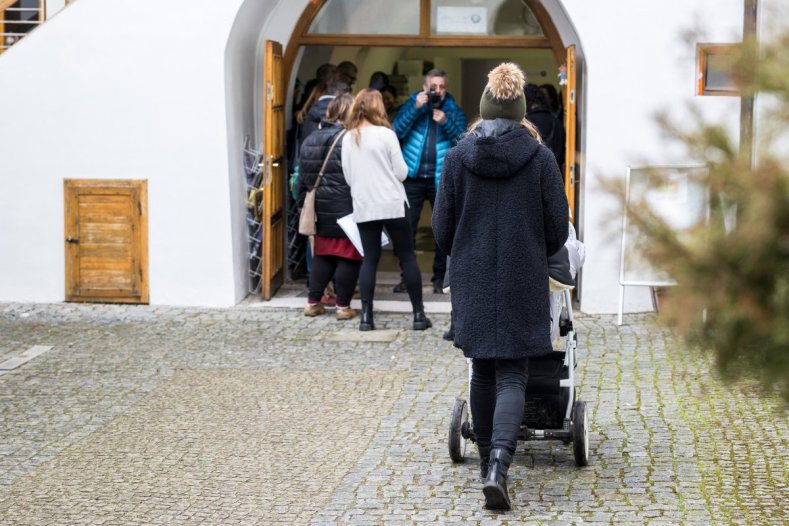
(374, 169)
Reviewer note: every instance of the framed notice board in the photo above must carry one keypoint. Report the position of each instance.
(674, 193)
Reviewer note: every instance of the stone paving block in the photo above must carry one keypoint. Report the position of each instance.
(166, 415)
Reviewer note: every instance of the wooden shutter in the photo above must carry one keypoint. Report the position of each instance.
(106, 241)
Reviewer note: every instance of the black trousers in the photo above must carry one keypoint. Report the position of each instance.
(400, 234)
(346, 271)
(498, 392)
(418, 190)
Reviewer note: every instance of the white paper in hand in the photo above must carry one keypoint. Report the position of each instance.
(352, 231)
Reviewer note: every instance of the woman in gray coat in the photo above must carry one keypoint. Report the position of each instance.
(500, 212)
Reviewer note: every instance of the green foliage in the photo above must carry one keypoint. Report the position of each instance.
(738, 275)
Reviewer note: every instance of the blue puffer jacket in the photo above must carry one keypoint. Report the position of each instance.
(411, 127)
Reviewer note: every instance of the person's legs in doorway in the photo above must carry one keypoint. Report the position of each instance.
(370, 232)
(415, 192)
(346, 275)
(323, 268)
(402, 240)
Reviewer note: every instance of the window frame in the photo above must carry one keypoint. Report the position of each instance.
(703, 51)
(425, 36)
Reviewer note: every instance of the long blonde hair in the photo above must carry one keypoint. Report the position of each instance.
(367, 106)
(525, 123)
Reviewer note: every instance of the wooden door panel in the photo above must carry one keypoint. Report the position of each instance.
(106, 241)
(273, 216)
(570, 116)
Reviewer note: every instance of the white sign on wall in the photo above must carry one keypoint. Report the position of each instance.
(674, 194)
(462, 20)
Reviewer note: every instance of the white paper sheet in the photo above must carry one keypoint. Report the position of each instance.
(352, 231)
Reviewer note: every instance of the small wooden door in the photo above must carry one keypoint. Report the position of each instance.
(570, 106)
(273, 215)
(106, 240)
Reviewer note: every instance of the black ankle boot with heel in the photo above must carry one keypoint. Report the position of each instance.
(495, 487)
(421, 322)
(366, 323)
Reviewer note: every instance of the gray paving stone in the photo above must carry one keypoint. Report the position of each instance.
(157, 415)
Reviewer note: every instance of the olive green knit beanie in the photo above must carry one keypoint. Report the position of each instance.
(503, 96)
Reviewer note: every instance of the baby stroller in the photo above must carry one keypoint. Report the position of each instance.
(552, 410)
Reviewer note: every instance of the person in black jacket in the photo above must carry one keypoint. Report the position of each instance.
(317, 111)
(500, 213)
(335, 255)
(550, 127)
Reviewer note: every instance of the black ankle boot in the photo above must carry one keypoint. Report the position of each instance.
(421, 322)
(484, 461)
(495, 488)
(366, 324)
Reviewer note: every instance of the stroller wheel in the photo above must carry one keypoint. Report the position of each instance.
(580, 434)
(457, 438)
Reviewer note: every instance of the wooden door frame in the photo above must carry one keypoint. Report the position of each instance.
(300, 36)
(273, 161)
(551, 40)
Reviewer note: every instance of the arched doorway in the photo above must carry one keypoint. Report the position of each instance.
(492, 29)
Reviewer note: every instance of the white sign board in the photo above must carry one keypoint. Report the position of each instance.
(462, 20)
(674, 194)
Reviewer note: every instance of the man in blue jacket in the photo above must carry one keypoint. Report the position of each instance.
(428, 125)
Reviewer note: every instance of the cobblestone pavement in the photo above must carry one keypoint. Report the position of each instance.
(149, 415)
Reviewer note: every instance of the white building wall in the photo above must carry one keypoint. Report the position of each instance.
(120, 89)
(166, 91)
(636, 64)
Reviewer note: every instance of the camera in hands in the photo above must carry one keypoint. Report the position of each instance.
(433, 98)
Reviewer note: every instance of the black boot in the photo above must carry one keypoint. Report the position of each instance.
(366, 323)
(484, 461)
(495, 488)
(450, 334)
(421, 322)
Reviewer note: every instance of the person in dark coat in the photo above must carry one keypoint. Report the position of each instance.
(500, 213)
(317, 112)
(550, 127)
(334, 252)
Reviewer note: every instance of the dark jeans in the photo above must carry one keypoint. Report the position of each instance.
(323, 268)
(498, 392)
(400, 235)
(418, 190)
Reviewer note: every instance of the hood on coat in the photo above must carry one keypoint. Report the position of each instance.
(500, 148)
(318, 110)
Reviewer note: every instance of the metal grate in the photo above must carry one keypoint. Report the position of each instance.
(254, 179)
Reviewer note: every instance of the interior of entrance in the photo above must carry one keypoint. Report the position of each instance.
(466, 68)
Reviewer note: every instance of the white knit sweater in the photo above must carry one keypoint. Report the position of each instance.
(375, 171)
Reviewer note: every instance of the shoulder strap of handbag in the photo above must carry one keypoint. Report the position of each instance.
(326, 160)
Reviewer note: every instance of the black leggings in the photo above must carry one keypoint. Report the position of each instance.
(498, 392)
(400, 233)
(346, 271)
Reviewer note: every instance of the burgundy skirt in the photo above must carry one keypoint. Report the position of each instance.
(336, 246)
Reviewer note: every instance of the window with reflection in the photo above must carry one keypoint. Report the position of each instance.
(367, 17)
(483, 17)
(715, 63)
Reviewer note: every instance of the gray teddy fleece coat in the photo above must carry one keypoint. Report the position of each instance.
(500, 212)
